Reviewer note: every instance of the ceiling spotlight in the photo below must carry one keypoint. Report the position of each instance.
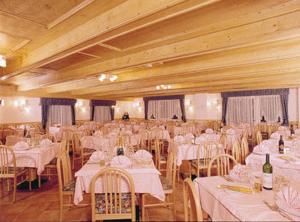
(165, 87)
(102, 77)
(2, 61)
(113, 78)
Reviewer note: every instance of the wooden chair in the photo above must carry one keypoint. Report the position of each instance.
(113, 203)
(51, 168)
(66, 183)
(236, 151)
(223, 163)
(223, 141)
(9, 170)
(168, 183)
(191, 202)
(202, 161)
(244, 149)
(79, 152)
(68, 136)
(258, 137)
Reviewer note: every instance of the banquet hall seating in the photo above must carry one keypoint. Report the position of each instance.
(224, 142)
(79, 152)
(202, 161)
(223, 162)
(244, 149)
(191, 202)
(258, 137)
(68, 136)
(168, 181)
(113, 203)
(51, 168)
(66, 184)
(236, 151)
(12, 140)
(9, 170)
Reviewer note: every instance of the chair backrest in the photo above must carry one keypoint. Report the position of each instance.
(7, 160)
(63, 166)
(12, 140)
(191, 202)
(244, 149)
(258, 137)
(171, 168)
(236, 151)
(223, 163)
(112, 181)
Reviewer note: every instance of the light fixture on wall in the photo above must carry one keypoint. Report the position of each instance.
(102, 77)
(2, 61)
(1, 102)
(163, 87)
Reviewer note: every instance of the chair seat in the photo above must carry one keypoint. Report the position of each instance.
(100, 204)
(167, 185)
(70, 186)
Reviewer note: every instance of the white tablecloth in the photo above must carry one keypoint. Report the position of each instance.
(225, 205)
(189, 152)
(146, 180)
(36, 157)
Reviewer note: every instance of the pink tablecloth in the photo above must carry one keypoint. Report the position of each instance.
(36, 157)
(146, 180)
(224, 205)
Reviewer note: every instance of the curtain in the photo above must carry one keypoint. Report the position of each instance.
(250, 109)
(59, 114)
(240, 110)
(104, 103)
(46, 103)
(180, 99)
(283, 93)
(164, 109)
(102, 114)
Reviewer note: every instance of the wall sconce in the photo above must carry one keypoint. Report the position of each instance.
(83, 109)
(78, 104)
(140, 109)
(2, 61)
(1, 102)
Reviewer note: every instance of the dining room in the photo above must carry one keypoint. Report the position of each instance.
(140, 110)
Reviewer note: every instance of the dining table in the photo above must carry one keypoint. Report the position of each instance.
(227, 205)
(146, 180)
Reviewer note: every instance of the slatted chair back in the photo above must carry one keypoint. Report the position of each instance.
(191, 202)
(64, 172)
(258, 137)
(236, 151)
(223, 162)
(113, 202)
(244, 149)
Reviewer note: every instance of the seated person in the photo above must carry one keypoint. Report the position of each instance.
(125, 116)
(174, 117)
(152, 117)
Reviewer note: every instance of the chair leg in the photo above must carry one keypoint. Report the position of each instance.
(143, 207)
(30, 187)
(15, 189)
(174, 206)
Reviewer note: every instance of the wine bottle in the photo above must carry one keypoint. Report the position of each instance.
(267, 174)
(281, 145)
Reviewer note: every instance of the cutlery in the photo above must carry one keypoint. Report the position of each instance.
(241, 189)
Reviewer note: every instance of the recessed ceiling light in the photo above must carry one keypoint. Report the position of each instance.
(2, 61)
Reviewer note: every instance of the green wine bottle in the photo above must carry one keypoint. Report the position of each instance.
(267, 174)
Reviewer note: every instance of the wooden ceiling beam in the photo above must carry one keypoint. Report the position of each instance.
(270, 30)
(89, 33)
(110, 47)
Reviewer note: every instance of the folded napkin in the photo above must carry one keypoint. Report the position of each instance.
(179, 139)
(239, 173)
(97, 156)
(264, 147)
(45, 142)
(209, 131)
(143, 154)
(21, 146)
(288, 200)
(200, 139)
(87, 142)
(275, 135)
(189, 136)
(98, 133)
(120, 161)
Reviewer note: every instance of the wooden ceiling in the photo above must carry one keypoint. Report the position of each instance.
(58, 48)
